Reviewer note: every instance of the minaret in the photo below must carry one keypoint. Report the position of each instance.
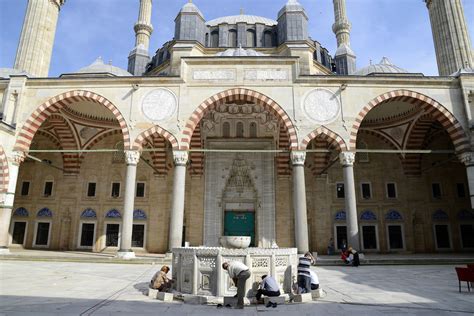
(451, 36)
(139, 56)
(37, 37)
(345, 56)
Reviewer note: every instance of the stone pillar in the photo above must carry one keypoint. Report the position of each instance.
(37, 37)
(468, 160)
(299, 201)
(347, 161)
(131, 158)
(177, 206)
(450, 34)
(8, 200)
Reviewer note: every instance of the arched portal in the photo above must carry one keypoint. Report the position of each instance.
(236, 136)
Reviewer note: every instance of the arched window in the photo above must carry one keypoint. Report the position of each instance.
(393, 215)
(21, 212)
(239, 130)
(368, 216)
(214, 39)
(440, 215)
(232, 38)
(119, 156)
(113, 213)
(253, 130)
(45, 212)
(89, 213)
(340, 216)
(226, 130)
(251, 38)
(268, 39)
(139, 215)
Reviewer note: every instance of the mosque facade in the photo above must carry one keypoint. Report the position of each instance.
(241, 125)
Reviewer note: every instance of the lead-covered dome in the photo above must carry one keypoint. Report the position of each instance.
(384, 67)
(98, 67)
(239, 52)
(242, 18)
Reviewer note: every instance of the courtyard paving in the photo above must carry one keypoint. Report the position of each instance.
(71, 288)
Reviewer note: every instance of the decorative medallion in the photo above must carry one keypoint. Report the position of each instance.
(321, 106)
(159, 105)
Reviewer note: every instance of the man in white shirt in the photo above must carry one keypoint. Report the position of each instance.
(268, 287)
(239, 273)
(314, 280)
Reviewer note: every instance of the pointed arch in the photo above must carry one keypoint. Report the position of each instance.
(4, 171)
(237, 94)
(429, 105)
(327, 134)
(155, 130)
(53, 105)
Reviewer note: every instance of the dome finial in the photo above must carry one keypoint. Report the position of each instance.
(241, 11)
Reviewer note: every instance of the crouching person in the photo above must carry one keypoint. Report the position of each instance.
(160, 280)
(268, 287)
(239, 273)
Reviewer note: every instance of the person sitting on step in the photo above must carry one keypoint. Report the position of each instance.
(268, 287)
(160, 280)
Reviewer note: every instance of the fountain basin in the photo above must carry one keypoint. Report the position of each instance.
(235, 242)
(198, 270)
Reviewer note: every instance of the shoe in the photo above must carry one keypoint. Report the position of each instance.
(274, 305)
(269, 304)
(219, 306)
(228, 306)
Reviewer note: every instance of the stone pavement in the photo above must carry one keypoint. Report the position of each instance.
(62, 288)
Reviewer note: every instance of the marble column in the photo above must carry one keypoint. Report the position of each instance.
(177, 206)
(9, 197)
(347, 161)
(131, 158)
(299, 201)
(468, 160)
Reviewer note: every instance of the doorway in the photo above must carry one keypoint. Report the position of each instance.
(19, 233)
(239, 223)
(442, 236)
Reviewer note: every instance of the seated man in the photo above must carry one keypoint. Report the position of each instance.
(268, 287)
(160, 280)
(314, 280)
(239, 273)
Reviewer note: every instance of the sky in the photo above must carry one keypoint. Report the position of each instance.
(87, 29)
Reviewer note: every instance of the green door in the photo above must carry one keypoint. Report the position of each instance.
(238, 223)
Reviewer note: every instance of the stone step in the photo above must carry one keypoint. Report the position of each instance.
(165, 297)
(303, 298)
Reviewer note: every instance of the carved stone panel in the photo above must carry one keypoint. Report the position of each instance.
(321, 106)
(224, 74)
(159, 105)
(266, 74)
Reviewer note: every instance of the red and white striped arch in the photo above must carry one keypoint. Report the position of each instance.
(237, 94)
(330, 136)
(148, 134)
(430, 106)
(4, 172)
(53, 105)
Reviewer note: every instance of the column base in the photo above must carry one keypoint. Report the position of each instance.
(4, 251)
(126, 255)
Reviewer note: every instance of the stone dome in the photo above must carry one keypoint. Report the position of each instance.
(99, 67)
(5, 73)
(242, 18)
(239, 52)
(384, 67)
(191, 8)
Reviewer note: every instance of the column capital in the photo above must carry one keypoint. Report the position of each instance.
(132, 157)
(347, 158)
(298, 158)
(467, 158)
(18, 157)
(180, 157)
